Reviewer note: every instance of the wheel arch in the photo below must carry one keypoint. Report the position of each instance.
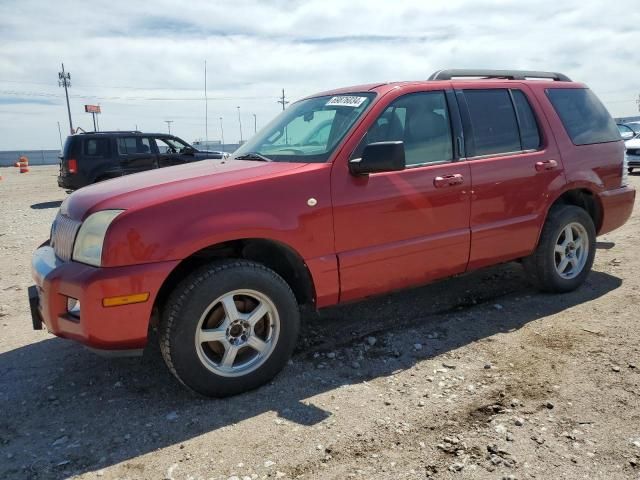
(277, 256)
(581, 196)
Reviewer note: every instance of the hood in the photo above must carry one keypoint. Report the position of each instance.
(633, 143)
(145, 188)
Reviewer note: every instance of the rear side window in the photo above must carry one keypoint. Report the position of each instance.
(493, 121)
(128, 145)
(96, 147)
(584, 118)
(529, 134)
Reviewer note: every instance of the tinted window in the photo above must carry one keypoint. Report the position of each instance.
(529, 134)
(171, 145)
(96, 147)
(584, 118)
(128, 145)
(421, 121)
(493, 121)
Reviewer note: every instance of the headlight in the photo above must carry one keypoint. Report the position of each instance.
(88, 246)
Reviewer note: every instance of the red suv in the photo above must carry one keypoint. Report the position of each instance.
(347, 194)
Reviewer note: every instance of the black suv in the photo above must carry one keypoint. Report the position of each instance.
(96, 156)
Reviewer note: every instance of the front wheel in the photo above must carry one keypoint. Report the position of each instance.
(630, 169)
(564, 255)
(229, 327)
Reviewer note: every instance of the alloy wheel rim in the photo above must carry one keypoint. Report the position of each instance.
(237, 333)
(571, 250)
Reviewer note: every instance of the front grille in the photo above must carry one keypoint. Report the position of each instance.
(633, 151)
(63, 234)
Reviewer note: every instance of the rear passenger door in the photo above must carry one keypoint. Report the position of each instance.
(136, 153)
(515, 168)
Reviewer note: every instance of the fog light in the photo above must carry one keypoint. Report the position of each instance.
(73, 307)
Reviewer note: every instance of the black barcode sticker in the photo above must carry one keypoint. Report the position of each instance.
(346, 101)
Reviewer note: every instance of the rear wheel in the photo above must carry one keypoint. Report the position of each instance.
(565, 252)
(229, 327)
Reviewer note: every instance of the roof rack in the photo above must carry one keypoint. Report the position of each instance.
(111, 131)
(506, 74)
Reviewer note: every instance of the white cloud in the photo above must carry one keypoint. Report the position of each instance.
(143, 62)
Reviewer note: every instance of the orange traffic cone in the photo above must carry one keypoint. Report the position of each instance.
(24, 164)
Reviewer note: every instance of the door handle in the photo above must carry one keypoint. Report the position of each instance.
(545, 165)
(448, 180)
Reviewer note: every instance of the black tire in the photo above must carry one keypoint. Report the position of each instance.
(630, 169)
(194, 295)
(540, 266)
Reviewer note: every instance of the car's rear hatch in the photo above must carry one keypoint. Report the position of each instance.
(68, 156)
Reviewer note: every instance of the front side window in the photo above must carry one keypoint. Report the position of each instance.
(133, 145)
(172, 145)
(493, 122)
(309, 130)
(421, 121)
(584, 118)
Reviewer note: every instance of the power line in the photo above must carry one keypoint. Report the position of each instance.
(17, 93)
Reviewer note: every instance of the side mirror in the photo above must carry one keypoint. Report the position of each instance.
(379, 157)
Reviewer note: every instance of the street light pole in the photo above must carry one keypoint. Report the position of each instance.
(255, 123)
(240, 123)
(221, 133)
(169, 122)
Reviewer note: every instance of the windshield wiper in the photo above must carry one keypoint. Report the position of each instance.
(253, 156)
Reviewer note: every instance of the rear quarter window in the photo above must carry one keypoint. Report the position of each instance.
(584, 117)
(96, 147)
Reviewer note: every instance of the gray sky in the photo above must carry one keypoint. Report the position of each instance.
(143, 62)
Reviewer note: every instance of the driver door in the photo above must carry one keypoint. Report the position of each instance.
(403, 228)
(172, 152)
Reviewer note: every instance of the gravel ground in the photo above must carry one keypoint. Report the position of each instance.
(478, 376)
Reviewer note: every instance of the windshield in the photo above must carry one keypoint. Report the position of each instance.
(309, 130)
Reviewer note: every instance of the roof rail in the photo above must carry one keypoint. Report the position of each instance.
(111, 131)
(506, 74)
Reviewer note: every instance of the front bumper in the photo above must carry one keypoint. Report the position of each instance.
(122, 327)
(617, 205)
(633, 160)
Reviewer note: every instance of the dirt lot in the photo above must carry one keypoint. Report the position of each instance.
(478, 376)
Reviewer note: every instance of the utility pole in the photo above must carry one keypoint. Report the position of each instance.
(221, 134)
(282, 100)
(64, 80)
(169, 122)
(240, 123)
(60, 134)
(255, 123)
(206, 105)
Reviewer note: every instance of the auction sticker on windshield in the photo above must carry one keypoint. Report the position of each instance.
(346, 101)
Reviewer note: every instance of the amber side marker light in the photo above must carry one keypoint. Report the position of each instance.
(125, 299)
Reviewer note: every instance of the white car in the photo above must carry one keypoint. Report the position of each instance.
(633, 153)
